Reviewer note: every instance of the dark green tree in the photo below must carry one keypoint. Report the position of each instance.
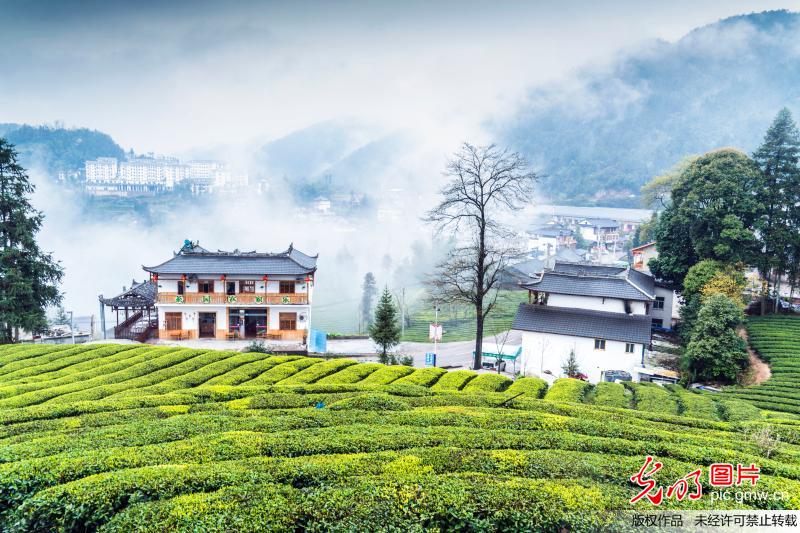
(368, 293)
(713, 214)
(778, 192)
(385, 330)
(570, 366)
(28, 276)
(716, 352)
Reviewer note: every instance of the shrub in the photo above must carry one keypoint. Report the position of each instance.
(534, 387)
(371, 402)
(608, 394)
(424, 377)
(488, 383)
(387, 374)
(567, 390)
(454, 380)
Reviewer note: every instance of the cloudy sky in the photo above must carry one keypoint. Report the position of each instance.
(170, 76)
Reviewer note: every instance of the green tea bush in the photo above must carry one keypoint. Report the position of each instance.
(165, 439)
(567, 390)
(488, 383)
(534, 387)
(454, 380)
(608, 394)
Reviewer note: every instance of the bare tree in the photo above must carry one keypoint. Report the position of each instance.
(486, 182)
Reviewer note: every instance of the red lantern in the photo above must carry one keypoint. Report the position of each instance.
(183, 277)
(222, 277)
(265, 278)
(154, 277)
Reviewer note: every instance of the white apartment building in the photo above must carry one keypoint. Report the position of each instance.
(107, 175)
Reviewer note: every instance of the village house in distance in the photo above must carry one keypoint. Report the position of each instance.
(603, 313)
(233, 295)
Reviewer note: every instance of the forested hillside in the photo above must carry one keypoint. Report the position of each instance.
(602, 134)
(57, 149)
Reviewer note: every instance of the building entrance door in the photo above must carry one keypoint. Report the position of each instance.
(208, 325)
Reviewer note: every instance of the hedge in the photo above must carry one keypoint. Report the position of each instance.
(609, 394)
(170, 439)
(488, 382)
(454, 380)
(534, 387)
(567, 390)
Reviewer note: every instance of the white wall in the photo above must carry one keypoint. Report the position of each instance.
(547, 351)
(665, 314)
(611, 305)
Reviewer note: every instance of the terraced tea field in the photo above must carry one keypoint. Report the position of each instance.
(777, 340)
(142, 438)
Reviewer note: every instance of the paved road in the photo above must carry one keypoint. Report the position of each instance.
(451, 354)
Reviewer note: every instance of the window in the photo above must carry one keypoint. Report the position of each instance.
(247, 286)
(230, 288)
(205, 286)
(659, 303)
(287, 287)
(599, 344)
(628, 347)
(287, 321)
(181, 287)
(658, 323)
(173, 320)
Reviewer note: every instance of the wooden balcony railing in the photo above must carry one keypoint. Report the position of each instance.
(248, 298)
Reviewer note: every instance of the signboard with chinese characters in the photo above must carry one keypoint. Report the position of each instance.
(430, 359)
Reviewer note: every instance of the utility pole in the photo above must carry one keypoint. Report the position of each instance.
(436, 330)
(72, 327)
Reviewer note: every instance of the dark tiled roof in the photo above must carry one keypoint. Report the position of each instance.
(139, 295)
(192, 261)
(587, 269)
(642, 280)
(601, 286)
(583, 323)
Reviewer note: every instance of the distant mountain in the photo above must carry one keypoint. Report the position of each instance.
(599, 136)
(313, 150)
(59, 149)
(341, 156)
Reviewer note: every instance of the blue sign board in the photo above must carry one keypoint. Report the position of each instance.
(317, 341)
(430, 359)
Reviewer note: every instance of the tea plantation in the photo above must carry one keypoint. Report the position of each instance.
(777, 340)
(143, 438)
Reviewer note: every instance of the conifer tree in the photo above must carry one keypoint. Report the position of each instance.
(779, 192)
(28, 277)
(368, 293)
(385, 330)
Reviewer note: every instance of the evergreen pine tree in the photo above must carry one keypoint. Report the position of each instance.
(28, 277)
(368, 293)
(385, 330)
(779, 192)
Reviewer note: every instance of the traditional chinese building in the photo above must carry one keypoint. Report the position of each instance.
(234, 295)
(602, 313)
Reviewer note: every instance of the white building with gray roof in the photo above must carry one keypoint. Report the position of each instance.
(602, 313)
(234, 295)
